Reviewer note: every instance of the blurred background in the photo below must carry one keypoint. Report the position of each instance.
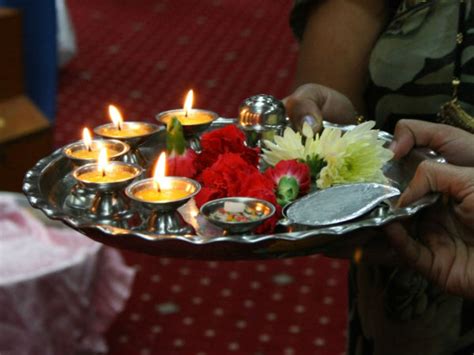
(71, 60)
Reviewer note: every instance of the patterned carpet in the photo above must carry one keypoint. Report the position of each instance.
(144, 56)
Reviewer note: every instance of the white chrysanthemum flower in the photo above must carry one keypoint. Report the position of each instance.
(356, 156)
(336, 158)
(286, 147)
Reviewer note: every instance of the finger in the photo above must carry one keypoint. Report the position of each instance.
(303, 110)
(415, 254)
(456, 145)
(430, 176)
(337, 108)
(312, 102)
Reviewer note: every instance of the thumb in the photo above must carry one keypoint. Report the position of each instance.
(313, 102)
(303, 110)
(452, 143)
(430, 176)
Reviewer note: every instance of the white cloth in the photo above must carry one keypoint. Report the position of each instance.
(59, 290)
(66, 36)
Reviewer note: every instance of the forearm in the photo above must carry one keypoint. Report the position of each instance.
(336, 45)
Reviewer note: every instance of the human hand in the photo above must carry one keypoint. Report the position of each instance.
(457, 146)
(444, 250)
(311, 103)
(454, 144)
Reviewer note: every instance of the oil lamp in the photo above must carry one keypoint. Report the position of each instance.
(108, 180)
(87, 150)
(194, 121)
(132, 133)
(163, 195)
(84, 152)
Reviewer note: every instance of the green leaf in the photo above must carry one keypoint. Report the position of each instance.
(287, 190)
(175, 141)
(315, 164)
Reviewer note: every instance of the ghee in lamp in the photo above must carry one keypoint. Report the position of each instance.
(85, 154)
(153, 193)
(113, 174)
(126, 130)
(193, 117)
(92, 153)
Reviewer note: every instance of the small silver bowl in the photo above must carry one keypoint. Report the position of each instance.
(209, 208)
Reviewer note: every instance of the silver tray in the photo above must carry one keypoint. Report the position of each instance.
(49, 182)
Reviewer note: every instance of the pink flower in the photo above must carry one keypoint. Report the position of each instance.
(291, 178)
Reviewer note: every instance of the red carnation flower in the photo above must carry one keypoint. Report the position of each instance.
(182, 165)
(228, 139)
(291, 178)
(227, 174)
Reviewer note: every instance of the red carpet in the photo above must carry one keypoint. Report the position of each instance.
(144, 56)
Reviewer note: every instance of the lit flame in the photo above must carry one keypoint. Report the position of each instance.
(86, 138)
(116, 116)
(103, 161)
(188, 103)
(160, 171)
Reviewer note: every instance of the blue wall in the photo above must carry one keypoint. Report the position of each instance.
(39, 51)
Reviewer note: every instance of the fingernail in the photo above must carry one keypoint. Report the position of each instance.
(310, 120)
